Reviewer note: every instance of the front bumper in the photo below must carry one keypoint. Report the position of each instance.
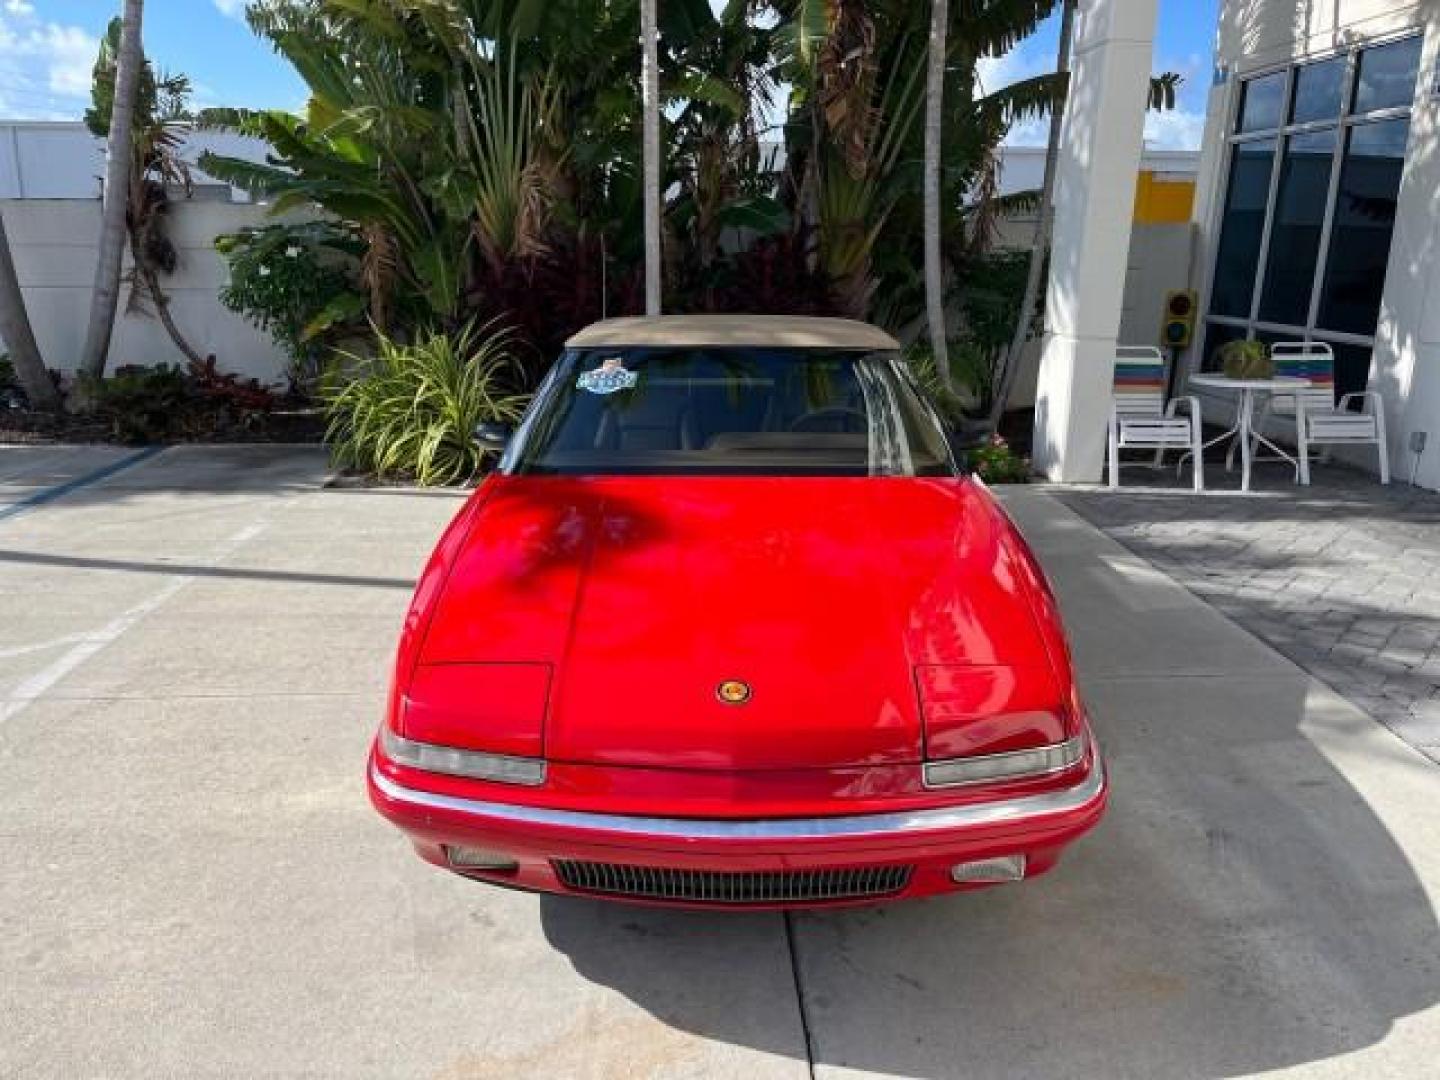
(931, 840)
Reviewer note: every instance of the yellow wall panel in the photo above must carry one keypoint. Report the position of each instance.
(1163, 201)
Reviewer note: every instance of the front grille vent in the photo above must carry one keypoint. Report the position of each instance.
(729, 887)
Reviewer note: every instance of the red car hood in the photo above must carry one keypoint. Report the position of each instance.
(823, 596)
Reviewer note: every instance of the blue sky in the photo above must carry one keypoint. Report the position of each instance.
(47, 48)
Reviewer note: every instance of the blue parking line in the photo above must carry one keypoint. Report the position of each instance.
(59, 491)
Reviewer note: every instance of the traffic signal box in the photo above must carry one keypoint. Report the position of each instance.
(1179, 325)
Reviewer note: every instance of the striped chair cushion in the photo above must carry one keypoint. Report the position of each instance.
(1313, 361)
(1140, 383)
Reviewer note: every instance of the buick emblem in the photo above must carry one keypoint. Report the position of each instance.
(733, 692)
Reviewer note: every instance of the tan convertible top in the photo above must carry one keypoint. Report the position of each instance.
(781, 331)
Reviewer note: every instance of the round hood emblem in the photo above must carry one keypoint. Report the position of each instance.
(733, 692)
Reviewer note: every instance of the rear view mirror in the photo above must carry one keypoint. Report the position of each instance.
(492, 436)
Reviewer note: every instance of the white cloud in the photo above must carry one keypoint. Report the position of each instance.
(233, 8)
(1025, 61)
(45, 67)
(69, 53)
(1179, 129)
(1022, 62)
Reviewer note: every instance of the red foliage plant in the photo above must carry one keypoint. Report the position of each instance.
(227, 388)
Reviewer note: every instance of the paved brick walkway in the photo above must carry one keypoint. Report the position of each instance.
(1343, 578)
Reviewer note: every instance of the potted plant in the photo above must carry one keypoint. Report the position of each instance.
(1246, 359)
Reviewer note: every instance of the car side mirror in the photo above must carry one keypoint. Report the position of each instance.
(492, 436)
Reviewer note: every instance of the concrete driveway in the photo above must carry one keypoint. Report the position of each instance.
(193, 651)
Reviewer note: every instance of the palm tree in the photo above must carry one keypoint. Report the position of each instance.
(106, 295)
(650, 94)
(159, 118)
(934, 101)
(19, 337)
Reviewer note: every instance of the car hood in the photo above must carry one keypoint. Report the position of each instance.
(822, 595)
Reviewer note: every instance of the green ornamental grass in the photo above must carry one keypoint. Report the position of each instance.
(410, 411)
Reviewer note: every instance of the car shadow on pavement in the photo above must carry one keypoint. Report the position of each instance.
(1243, 908)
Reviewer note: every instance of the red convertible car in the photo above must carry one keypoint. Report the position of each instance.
(728, 627)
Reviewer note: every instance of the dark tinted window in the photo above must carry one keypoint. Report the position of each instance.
(1217, 336)
(1261, 102)
(1295, 231)
(728, 411)
(1318, 89)
(1241, 230)
(1352, 367)
(1364, 221)
(1386, 79)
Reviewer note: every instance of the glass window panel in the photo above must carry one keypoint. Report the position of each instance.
(1262, 101)
(1218, 335)
(1364, 220)
(1318, 89)
(1295, 231)
(1241, 228)
(1352, 367)
(730, 411)
(1274, 337)
(1387, 76)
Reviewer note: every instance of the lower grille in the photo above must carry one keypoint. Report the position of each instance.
(728, 887)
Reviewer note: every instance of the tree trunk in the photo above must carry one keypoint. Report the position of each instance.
(1041, 241)
(105, 297)
(147, 276)
(934, 277)
(19, 337)
(650, 103)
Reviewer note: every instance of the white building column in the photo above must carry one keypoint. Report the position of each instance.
(1101, 141)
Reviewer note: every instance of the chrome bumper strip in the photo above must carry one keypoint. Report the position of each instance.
(1001, 812)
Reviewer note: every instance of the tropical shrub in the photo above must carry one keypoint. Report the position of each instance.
(997, 463)
(227, 392)
(145, 404)
(299, 283)
(410, 410)
(486, 155)
(167, 402)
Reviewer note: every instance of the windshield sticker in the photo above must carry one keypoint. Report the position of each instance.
(610, 376)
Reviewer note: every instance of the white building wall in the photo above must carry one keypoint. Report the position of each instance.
(50, 178)
(1255, 34)
(42, 159)
(1022, 168)
(54, 242)
(1407, 345)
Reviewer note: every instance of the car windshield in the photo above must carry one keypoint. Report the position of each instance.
(729, 411)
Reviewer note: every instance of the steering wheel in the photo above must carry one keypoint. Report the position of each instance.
(814, 416)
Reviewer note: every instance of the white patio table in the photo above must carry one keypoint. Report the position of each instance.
(1243, 433)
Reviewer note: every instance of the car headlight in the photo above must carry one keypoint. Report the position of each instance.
(1017, 765)
(454, 762)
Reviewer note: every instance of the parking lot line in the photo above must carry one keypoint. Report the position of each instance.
(59, 491)
(89, 644)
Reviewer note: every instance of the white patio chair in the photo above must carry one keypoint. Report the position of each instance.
(1140, 419)
(1316, 418)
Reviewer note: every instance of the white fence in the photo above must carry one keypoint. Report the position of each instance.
(54, 242)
